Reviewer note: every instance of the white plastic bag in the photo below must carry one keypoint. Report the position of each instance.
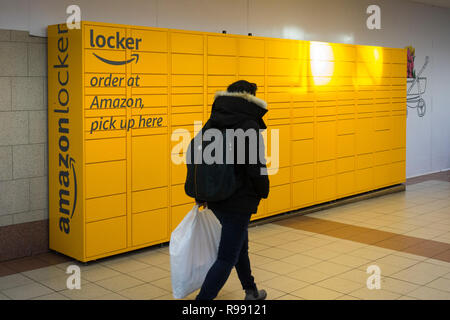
(193, 249)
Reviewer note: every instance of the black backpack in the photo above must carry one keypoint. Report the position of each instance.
(208, 180)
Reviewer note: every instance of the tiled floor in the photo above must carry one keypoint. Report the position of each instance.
(323, 255)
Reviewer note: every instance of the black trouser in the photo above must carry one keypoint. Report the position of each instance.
(233, 252)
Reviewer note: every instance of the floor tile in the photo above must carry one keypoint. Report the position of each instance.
(52, 296)
(126, 265)
(14, 280)
(314, 292)
(278, 267)
(374, 294)
(440, 284)
(331, 268)
(3, 297)
(284, 284)
(118, 283)
(44, 273)
(143, 292)
(87, 292)
(397, 286)
(308, 275)
(275, 253)
(426, 293)
(60, 283)
(288, 297)
(111, 296)
(350, 261)
(421, 273)
(27, 291)
(339, 284)
(149, 274)
(98, 272)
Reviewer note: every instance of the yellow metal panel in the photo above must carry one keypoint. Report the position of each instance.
(149, 40)
(100, 180)
(150, 63)
(303, 193)
(106, 207)
(326, 140)
(326, 188)
(345, 164)
(302, 131)
(278, 199)
(364, 179)
(149, 199)
(279, 48)
(345, 145)
(94, 64)
(150, 226)
(282, 176)
(149, 170)
(303, 151)
(186, 43)
(179, 196)
(105, 150)
(222, 45)
(105, 236)
(178, 214)
(187, 64)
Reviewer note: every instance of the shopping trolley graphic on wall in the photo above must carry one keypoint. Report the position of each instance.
(416, 88)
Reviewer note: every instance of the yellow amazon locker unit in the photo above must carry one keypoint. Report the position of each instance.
(123, 102)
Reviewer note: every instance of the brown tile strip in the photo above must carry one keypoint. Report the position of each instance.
(24, 239)
(444, 176)
(30, 263)
(388, 240)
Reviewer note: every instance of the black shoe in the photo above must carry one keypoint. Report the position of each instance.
(255, 294)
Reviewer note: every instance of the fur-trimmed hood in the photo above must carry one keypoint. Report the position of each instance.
(244, 95)
(230, 109)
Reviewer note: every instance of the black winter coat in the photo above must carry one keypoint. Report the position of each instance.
(242, 111)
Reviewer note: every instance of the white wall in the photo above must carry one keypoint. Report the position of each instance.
(403, 23)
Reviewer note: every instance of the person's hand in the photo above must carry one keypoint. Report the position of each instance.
(201, 204)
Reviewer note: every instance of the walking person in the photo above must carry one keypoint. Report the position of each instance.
(237, 108)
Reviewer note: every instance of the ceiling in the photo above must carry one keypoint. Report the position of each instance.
(437, 3)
